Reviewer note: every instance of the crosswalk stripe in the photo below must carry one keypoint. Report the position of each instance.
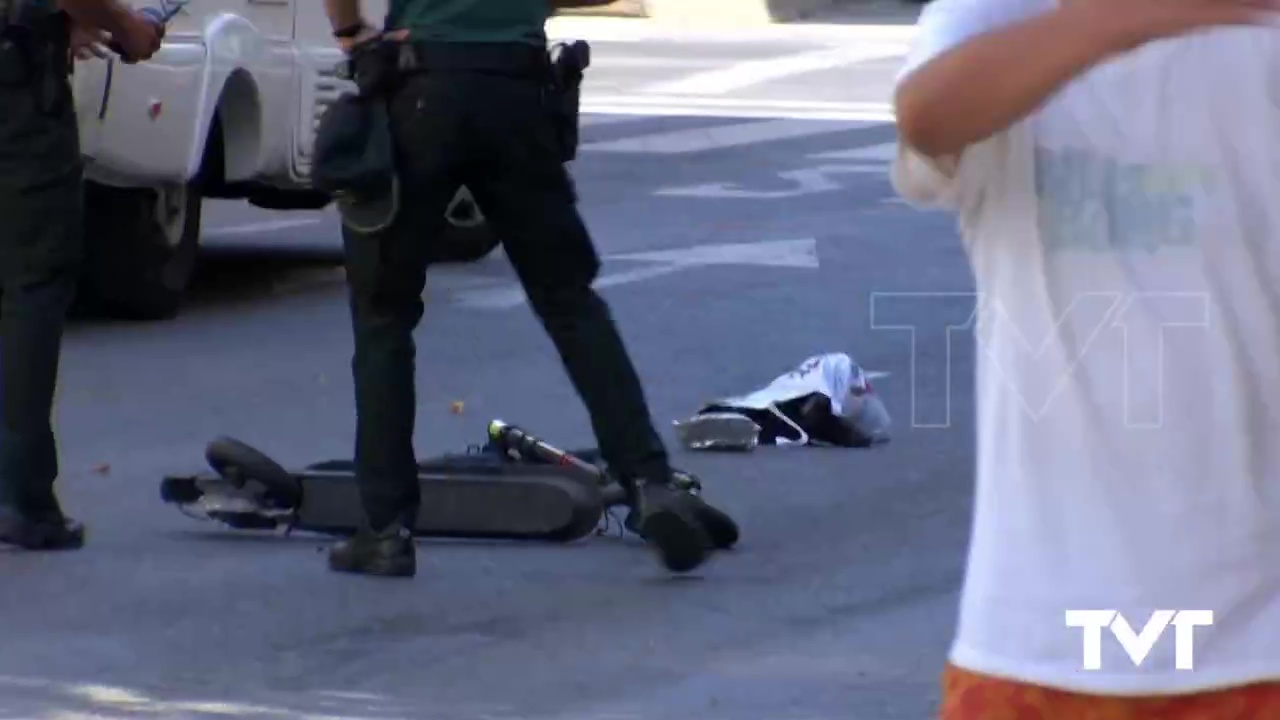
(645, 99)
(693, 140)
(650, 61)
(754, 72)
(596, 120)
(705, 106)
(740, 112)
(883, 153)
(603, 29)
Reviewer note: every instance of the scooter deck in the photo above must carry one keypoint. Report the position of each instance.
(507, 501)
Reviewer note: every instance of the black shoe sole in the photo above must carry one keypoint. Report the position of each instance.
(400, 565)
(721, 528)
(389, 568)
(680, 542)
(41, 538)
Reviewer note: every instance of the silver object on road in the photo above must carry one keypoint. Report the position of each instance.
(718, 431)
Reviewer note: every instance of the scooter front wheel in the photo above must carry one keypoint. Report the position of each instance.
(239, 462)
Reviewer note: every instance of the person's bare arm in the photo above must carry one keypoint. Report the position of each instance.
(133, 35)
(988, 83)
(109, 15)
(343, 13)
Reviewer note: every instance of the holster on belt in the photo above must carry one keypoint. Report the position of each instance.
(569, 61)
(372, 66)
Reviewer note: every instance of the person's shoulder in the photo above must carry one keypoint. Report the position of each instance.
(980, 13)
(944, 24)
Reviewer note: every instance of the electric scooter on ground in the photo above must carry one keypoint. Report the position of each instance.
(516, 487)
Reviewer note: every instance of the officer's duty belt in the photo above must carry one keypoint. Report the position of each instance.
(511, 59)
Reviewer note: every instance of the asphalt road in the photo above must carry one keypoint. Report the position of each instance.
(839, 603)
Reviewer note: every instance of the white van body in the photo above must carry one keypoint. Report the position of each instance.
(227, 109)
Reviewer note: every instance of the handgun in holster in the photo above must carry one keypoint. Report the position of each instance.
(568, 62)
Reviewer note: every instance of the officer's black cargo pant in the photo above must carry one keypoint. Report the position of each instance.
(493, 134)
(40, 252)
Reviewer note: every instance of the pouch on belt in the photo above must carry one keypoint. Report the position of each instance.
(355, 162)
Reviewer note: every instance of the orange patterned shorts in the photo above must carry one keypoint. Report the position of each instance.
(971, 696)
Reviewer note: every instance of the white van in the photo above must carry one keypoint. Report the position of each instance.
(227, 109)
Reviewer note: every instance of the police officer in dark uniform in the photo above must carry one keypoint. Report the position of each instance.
(40, 243)
(469, 105)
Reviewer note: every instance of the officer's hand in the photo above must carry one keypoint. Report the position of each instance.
(370, 34)
(88, 42)
(139, 38)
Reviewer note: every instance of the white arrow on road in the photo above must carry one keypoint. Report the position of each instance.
(774, 253)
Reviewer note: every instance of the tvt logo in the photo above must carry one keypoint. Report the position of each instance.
(1138, 645)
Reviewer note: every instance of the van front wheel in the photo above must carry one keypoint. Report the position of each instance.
(140, 249)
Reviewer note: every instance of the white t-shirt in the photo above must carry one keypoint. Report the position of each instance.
(1125, 241)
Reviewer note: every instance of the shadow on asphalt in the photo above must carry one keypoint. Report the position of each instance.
(231, 275)
(211, 532)
(46, 698)
(234, 272)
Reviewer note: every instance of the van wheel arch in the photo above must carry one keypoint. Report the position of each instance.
(142, 244)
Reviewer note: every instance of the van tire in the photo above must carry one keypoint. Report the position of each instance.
(140, 250)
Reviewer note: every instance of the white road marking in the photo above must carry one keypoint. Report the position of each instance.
(677, 106)
(777, 253)
(871, 116)
(644, 61)
(885, 153)
(693, 140)
(627, 30)
(595, 120)
(774, 253)
(265, 226)
(755, 72)
(732, 103)
(806, 181)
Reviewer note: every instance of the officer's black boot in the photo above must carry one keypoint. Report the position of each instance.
(721, 529)
(668, 521)
(40, 531)
(387, 553)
